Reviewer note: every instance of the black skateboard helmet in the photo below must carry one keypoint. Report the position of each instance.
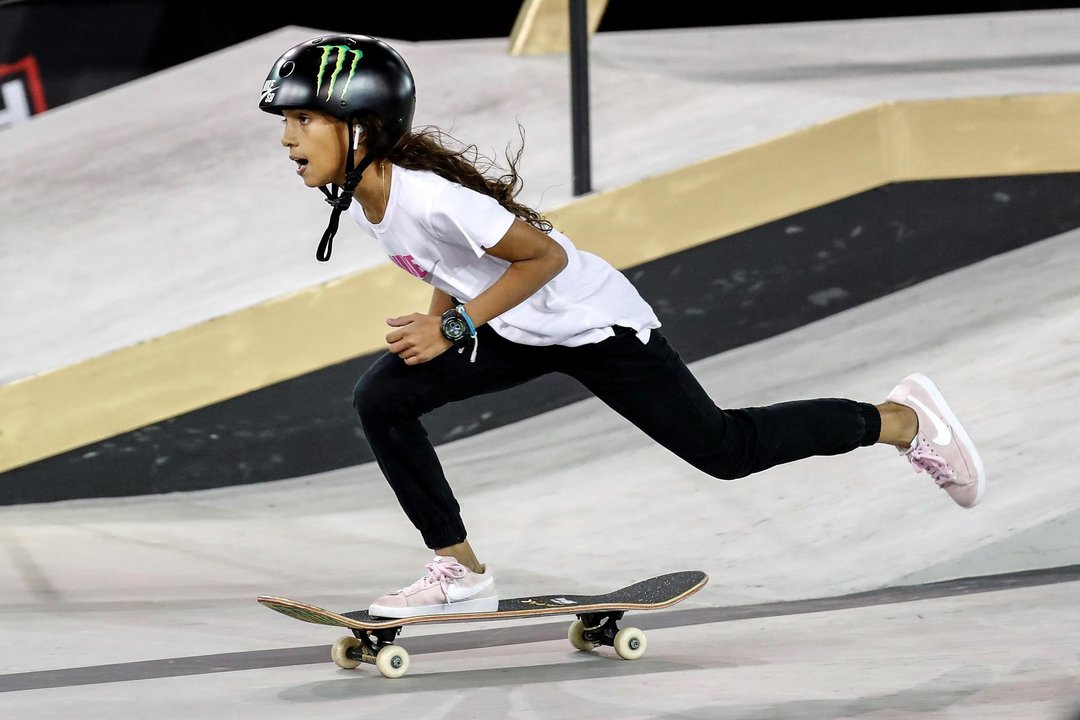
(344, 76)
(347, 77)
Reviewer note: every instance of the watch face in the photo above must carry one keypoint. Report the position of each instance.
(454, 328)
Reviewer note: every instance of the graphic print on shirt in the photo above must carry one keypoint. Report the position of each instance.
(408, 264)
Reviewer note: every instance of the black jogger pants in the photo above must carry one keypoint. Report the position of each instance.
(648, 384)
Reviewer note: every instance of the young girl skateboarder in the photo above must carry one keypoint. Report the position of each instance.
(513, 299)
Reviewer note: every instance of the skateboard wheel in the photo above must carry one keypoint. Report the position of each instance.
(630, 643)
(339, 653)
(392, 661)
(577, 637)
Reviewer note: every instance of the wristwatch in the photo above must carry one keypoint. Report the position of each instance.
(457, 326)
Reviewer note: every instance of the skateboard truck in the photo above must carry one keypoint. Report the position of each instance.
(375, 647)
(591, 630)
(600, 628)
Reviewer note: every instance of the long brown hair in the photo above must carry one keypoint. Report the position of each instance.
(430, 148)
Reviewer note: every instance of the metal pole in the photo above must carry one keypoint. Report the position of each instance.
(579, 94)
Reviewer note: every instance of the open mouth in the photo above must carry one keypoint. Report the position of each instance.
(301, 164)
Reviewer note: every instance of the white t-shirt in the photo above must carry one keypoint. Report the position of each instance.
(437, 230)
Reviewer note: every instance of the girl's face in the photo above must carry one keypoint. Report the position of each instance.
(317, 144)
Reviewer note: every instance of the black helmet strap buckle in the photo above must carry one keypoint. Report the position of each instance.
(341, 198)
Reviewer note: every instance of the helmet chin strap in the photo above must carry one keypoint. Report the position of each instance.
(340, 199)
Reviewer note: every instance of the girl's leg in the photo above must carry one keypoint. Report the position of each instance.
(390, 399)
(651, 387)
(899, 423)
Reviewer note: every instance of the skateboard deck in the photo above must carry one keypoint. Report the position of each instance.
(373, 637)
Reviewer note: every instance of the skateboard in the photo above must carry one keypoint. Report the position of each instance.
(597, 621)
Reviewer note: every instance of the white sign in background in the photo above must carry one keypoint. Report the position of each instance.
(16, 107)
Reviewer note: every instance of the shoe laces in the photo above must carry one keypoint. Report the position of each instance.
(439, 573)
(924, 459)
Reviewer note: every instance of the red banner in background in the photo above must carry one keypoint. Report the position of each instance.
(21, 91)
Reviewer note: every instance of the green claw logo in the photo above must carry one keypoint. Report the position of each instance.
(342, 51)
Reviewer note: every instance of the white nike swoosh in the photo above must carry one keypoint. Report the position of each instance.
(456, 593)
(944, 434)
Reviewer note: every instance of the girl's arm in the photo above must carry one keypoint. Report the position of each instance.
(534, 260)
(440, 302)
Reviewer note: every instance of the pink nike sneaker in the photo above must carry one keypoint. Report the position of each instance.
(448, 588)
(941, 448)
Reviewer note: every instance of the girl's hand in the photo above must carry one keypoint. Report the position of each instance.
(417, 338)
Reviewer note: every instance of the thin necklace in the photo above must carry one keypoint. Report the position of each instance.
(382, 177)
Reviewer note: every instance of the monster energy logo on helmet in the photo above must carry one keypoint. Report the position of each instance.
(343, 51)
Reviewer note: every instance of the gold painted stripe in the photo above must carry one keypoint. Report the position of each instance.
(207, 363)
(135, 386)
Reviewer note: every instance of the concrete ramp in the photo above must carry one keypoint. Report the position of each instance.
(842, 587)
